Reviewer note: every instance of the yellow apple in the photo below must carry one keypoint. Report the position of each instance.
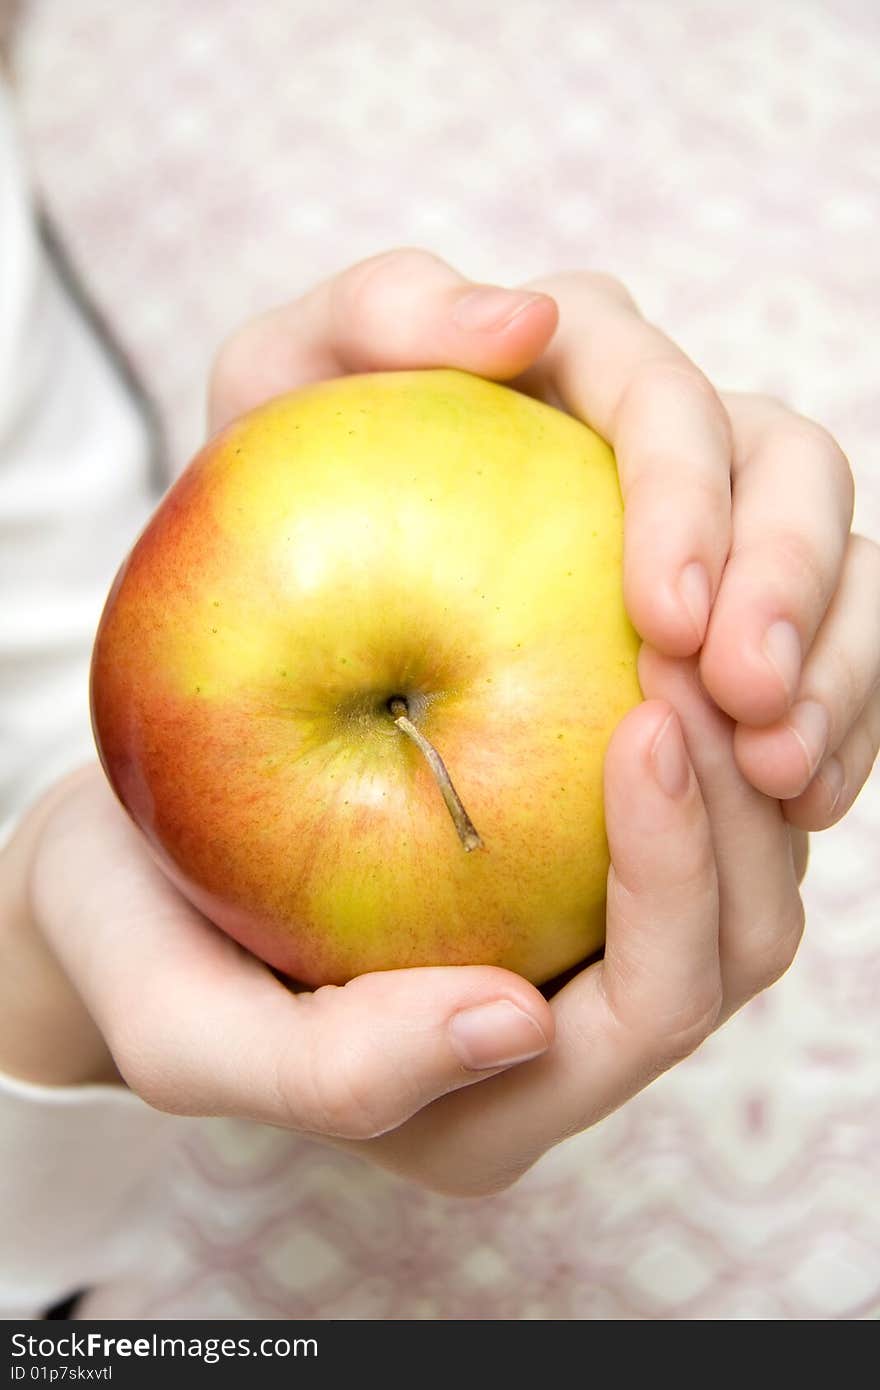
(348, 583)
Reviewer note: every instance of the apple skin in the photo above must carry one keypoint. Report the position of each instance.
(424, 534)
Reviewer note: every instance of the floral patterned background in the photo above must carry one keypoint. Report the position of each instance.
(206, 159)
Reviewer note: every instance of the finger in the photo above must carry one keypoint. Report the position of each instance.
(841, 777)
(198, 1026)
(761, 914)
(671, 437)
(793, 501)
(800, 851)
(621, 1021)
(605, 1049)
(403, 309)
(841, 670)
(661, 974)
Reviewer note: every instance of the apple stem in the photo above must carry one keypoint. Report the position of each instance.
(467, 832)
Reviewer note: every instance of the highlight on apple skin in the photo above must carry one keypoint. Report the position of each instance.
(424, 549)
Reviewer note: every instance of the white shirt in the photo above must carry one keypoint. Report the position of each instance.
(74, 490)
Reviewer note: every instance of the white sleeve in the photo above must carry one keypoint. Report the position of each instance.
(78, 1176)
(75, 488)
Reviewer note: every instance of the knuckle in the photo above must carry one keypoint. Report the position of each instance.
(866, 551)
(341, 1098)
(818, 450)
(679, 1035)
(662, 1019)
(781, 946)
(232, 361)
(836, 464)
(655, 481)
(610, 286)
(821, 438)
(472, 1180)
(798, 554)
(846, 697)
(758, 414)
(360, 287)
(223, 369)
(689, 884)
(765, 402)
(139, 1057)
(595, 281)
(656, 377)
(793, 561)
(859, 753)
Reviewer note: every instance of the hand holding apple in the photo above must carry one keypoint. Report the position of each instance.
(703, 905)
(737, 539)
(359, 596)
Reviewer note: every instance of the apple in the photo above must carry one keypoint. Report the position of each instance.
(356, 679)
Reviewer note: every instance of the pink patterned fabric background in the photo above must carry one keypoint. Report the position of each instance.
(208, 159)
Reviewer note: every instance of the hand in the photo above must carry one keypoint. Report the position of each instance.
(769, 585)
(198, 1026)
(386, 1065)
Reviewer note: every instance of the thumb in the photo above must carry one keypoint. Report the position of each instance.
(350, 1061)
(400, 310)
(198, 1026)
(362, 1058)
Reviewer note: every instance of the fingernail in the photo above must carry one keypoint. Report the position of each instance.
(832, 778)
(670, 760)
(487, 309)
(495, 1035)
(782, 648)
(808, 721)
(693, 586)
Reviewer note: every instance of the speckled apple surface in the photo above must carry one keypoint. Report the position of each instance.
(718, 157)
(425, 535)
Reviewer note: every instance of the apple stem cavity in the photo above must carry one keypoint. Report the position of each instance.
(467, 831)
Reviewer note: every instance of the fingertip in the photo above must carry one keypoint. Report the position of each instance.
(492, 309)
(447, 991)
(661, 938)
(670, 763)
(671, 614)
(739, 683)
(658, 616)
(493, 985)
(765, 760)
(500, 332)
(629, 751)
(781, 760)
(496, 1034)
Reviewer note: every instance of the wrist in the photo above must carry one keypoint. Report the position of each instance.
(47, 1036)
